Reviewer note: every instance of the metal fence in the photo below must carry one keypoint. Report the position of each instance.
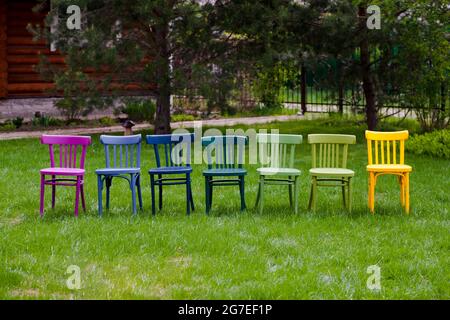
(306, 91)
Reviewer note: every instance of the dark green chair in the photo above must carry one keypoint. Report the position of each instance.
(225, 157)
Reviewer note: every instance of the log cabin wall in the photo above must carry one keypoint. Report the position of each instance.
(23, 52)
(3, 62)
(19, 54)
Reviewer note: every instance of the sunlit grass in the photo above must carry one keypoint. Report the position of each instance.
(276, 255)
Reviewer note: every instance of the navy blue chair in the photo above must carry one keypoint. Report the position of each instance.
(177, 161)
(225, 165)
(126, 161)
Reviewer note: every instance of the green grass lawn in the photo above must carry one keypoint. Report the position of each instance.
(228, 255)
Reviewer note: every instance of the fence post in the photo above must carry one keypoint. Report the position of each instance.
(341, 97)
(340, 87)
(303, 89)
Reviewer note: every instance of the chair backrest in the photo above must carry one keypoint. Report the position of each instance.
(69, 148)
(225, 152)
(177, 149)
(277, 150)
(330, 150)
(125, 151)
(382, 147)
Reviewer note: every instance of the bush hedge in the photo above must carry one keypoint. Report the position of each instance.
(140, 110)
(436, 144)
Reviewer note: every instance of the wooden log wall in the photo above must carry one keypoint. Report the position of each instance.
(3, 62)
(20, 54)
(23, 52)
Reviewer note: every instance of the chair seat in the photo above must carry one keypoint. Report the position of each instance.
(389, 168)
(63, 172)
(117, 171)
(170, 170)
(331, 172)
(279, 171)
(225, 172)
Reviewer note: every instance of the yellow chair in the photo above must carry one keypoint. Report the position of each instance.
(386, 158)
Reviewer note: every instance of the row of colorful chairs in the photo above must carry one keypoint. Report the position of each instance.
(225, 159)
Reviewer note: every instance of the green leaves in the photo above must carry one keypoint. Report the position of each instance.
(435, 144)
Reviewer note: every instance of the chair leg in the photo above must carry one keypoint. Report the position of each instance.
(160, 198)
(344, 195)
(108, 182)
(261, 197)
(314, 194)
(211, 192)
(152, 186)
(296, 191)
(242, 192)
(258, 195)
(83, 201)
(53, 193)
(42, 198)
(100, 195)
(372, 192)
(191, 198)
(369, 192)
(77, 196)
(349, 194)
(188, 194)
(207, 190)
(133, 193)
(401, 181)
(290, 191)
(311, 196)
(138, 186)
(406, 193)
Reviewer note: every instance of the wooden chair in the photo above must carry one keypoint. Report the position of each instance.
(69, 170)
(385, 158)
(225, 156)
(177, 162)
(277, 155)
(126, 162)
(329, 165)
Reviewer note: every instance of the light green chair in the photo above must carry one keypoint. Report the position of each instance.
(277, 156)
(329, 165)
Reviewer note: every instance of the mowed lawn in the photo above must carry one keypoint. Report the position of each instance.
(229, 254)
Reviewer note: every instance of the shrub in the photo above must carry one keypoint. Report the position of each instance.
(7, 126)
(71, 108)
(139, 111)
(17, 122)
(395, 124)
(107, 121)
(81, 93)
(182, 117)
(436, 144)
(44, 121)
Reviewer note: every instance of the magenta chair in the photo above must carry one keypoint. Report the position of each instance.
(66, 172)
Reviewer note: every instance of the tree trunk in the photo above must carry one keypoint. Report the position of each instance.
(303, 93)
(368, 84)
(162, 119)
(340, 87)
(163, 75)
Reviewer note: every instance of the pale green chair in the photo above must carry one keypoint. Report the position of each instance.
(277, 156)
(329, 165)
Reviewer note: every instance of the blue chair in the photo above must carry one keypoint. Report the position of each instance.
(177, 161)
(126, 156)
(228, 152)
